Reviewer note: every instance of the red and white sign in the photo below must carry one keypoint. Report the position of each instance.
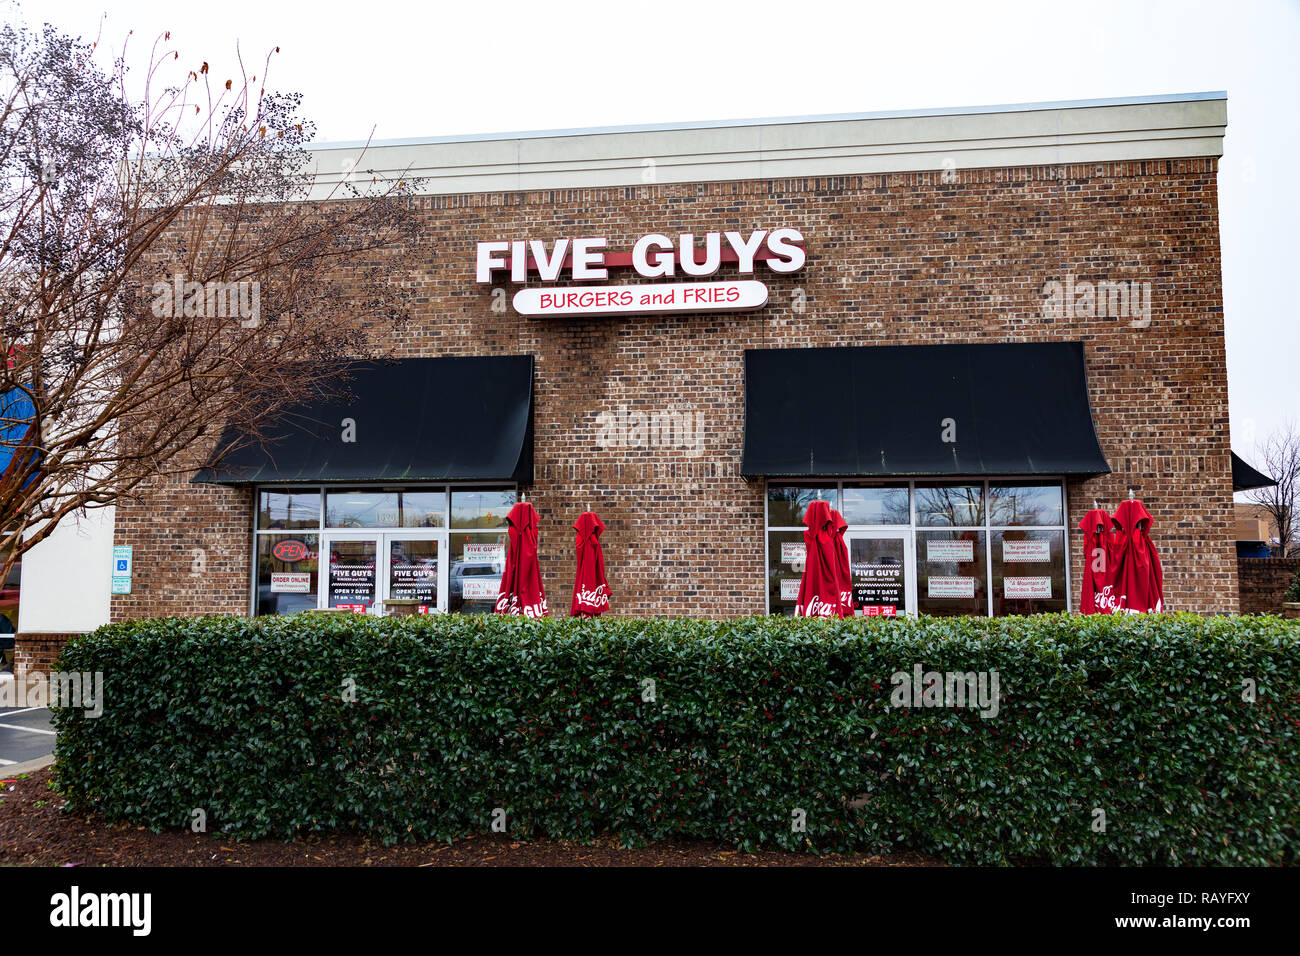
(880, 610)
(485, 554)
(793, 552)
(642, 299)
(789, 589)
(1026, 551)
(292, 583)
(1026, 588)
(950, 587)
(480, 588)
(949, 551)
(654, 256)
(354, 608)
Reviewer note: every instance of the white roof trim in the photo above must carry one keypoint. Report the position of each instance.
(1036, 134)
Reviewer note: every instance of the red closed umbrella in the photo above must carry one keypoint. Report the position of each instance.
(590, 588)
(521, 584)
(1139, 580)
(819, 588)
(1099, 547)
(842, 564)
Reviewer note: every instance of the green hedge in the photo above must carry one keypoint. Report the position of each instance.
(1141, 717)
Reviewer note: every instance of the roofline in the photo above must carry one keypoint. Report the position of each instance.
(776, 121)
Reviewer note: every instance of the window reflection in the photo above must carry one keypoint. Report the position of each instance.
(288, 508)
(876, 505)
(949, 506)
(1024, 504)
(786, 504)
(481, 509)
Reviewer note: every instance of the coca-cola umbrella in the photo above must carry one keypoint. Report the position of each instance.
(819, 588)
(590, 588)
(842, 564)
(521, 584)
(1139, 581)
(1099, 544)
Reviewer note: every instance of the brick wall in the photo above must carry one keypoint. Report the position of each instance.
(37, 652)
(892, 259)
(1262, 582)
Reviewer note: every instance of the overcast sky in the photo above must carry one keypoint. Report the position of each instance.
(429, 68)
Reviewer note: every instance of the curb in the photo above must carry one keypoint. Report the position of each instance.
(12, 770)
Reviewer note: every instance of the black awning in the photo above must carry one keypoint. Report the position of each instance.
(1016, 409)
(1244, 477)
(428, 419)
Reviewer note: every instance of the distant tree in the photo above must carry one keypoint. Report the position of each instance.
(168, 265)
(1279, 456)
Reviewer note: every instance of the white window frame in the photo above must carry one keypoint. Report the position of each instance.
(913, 527)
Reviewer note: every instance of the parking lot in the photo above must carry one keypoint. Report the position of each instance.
(25, 735)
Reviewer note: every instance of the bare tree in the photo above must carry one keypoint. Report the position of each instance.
(1280, 457)
(165, 270)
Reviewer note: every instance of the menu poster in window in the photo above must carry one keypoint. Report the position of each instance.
(950, 587)
(793, 552)
(789, 589)
(352, 584)
(1023, 589)
(1036, 551)
(877, 583)
(412, 581)
(958, 551)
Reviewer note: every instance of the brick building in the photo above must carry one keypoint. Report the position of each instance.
(1077, 244)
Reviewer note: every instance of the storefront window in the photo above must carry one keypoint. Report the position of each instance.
(1018, 503)
(953, 547)
(1028, 572)
(287, 578)
(872, 505)
(786, 504)
(422, 509)
(951, 572)
(384, 508)
(386, 550)
(361, 509)
(948, 506)
(288, 508)
(481, 509)
(785, 563)
(477, 562)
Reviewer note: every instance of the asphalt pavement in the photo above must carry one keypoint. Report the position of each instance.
(25, 735)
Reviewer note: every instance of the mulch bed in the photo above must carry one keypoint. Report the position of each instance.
(35, 832)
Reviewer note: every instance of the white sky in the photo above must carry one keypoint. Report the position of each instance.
(433, 68)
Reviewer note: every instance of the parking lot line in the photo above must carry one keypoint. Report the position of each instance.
(30, 730)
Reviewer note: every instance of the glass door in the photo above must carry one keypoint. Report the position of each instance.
(880, 569)
(351, 583)
(386, 572)
(412, 582)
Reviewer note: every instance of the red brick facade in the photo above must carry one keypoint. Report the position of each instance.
(38, 652)
(900, 258)
(1263, 583)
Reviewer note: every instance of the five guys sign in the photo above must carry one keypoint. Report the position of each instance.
(654, 256)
